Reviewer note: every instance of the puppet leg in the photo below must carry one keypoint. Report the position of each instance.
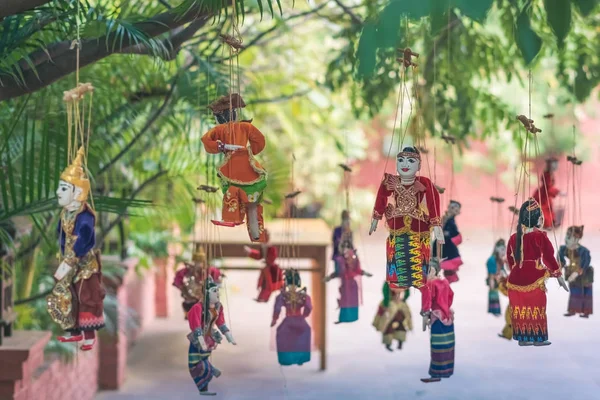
(232, 213)
(256, 226)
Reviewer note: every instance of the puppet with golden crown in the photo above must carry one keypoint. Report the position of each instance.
(411, 215)
(243, 179)
(579, 273)
(76, 299)
(531, 260)
(190, 279)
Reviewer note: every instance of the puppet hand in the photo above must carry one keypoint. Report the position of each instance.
(426, 321)
(373, 228)
(573, 276)
(247, 249)
(439, 234)
(561, 282)
(229, 337)
(327, 279)
(365, 273)
(273, 323)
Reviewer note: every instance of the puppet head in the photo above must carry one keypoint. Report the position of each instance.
(292, 278)
(74, 186)
(454, 208)
(551, 164)
(574, 235)
(345, 219)
(225, 108)
(212, 292)
(500, 248)
(350, 256)
(530, 214)
(408, 163)
(199, 257)
(434, 268)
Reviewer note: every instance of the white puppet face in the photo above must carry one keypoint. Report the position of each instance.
(407, 167)
(541, 221)
(213, 295)
(454, 209)
(501, 249)
(67, 193)
(571, 241)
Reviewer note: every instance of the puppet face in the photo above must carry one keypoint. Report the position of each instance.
(67, 193)
(454, 209)
(541, 221)
(571, 241)
(407, 167)
(433, 269)
(552, 165)
(213, 295)
(350, 257)
(501, 250)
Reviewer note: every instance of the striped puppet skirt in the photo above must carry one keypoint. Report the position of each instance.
(200, 367)
(406, 255)
(494, 302)
(442, 350)
(581, 299)
(528, 314)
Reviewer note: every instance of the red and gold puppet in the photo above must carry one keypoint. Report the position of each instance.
(411, 216)
(190, 279)
(545, 194)
(531, 260)
(271, 276)
(76, 301)
(243, 179)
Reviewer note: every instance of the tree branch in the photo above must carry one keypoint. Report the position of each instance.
(115, 222)
(12, 7)
(348, 11)
(61, 61)
(174, 42)
(143, 131)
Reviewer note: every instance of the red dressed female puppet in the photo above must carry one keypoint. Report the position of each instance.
(411, 216)
(271, 276)
(546, 192)
(531, 261)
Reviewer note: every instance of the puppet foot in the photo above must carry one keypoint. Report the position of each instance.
(337, 322)
(544, 343)
(88, 344)
(70, 338)
(225, 223)
(216, 372)
(503, 337)
(389, 347)
(204, 392)
(568, 314)
(585, 315)
(522, 343)
(399, 345)
(430, 380)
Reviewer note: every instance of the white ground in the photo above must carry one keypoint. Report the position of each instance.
(486, 367)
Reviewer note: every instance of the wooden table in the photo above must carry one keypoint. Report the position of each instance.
(310, 238)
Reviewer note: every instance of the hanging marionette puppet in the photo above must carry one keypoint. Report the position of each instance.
(410, 218)
(293, 336)
(76, 301)
(452, 239)
(243, 179)
(441, 322)
(341, 233)
(207, 324)
(507, 331)
(531, 261)
(393, 318)
(347, 268)
(190, 279)
(545, 194)
(579, 273)
(495, 271)
(271, 276)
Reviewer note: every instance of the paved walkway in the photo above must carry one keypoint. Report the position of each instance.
(487, 367)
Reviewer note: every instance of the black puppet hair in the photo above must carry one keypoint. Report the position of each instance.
(409, 149)
(455, 202)
(529, 217)
(292, 277)
(499, 242)
(345, 215)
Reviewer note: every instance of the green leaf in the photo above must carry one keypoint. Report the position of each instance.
(474, 9)
(527, 40)
(586, 6)
(558, 14)
(388, 26)
(367, 51)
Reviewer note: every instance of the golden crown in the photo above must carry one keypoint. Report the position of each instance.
(75, 175)
(533, 205)
(199, 255)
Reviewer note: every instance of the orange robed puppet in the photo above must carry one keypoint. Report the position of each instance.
(243, 179)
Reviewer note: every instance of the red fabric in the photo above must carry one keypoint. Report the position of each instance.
(425, 192)
(195, 317)
(269, 280)
(538, 258)
(544, 195)
(179, 277)
(528, 313)
(457, 239)
(442, 297)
